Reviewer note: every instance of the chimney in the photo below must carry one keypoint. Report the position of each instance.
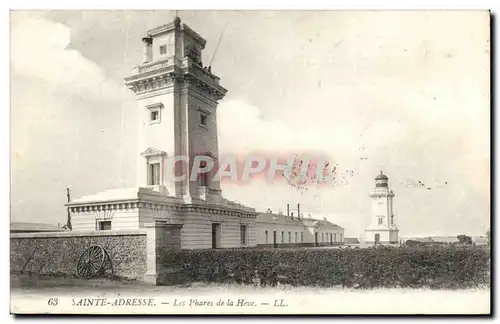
(288, 209)
(298, 210)
(147, 51)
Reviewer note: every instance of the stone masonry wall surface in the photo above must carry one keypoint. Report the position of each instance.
(58, 255)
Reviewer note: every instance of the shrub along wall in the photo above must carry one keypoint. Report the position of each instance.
(434, 267)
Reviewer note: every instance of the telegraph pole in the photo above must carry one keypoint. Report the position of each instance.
(68, 223)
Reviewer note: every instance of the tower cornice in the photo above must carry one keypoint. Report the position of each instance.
(141, 84)
(164, 73)
(171, 26)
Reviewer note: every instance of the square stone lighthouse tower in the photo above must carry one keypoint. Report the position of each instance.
(177, 121)
(177, 112)
(382, 229)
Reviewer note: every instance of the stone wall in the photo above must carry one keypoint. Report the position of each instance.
(57, 254)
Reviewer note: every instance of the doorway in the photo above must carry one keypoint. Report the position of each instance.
(377, 238)
(316, 239)
(275, 244)
(215, 235)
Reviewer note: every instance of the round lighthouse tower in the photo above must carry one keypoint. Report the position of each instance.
(382, 229)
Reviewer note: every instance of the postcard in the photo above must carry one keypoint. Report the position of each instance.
(250, 162)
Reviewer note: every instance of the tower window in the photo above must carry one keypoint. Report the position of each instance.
(163, 49)
(203, 120)
(154, 174)
(154, 112)
(155, 116)
(203, 115)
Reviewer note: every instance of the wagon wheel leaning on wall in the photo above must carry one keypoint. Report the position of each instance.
(94, 261)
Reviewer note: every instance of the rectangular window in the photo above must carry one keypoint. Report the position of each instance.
(105, 225)
(322, 237)
(267, 239)
(380, 220)
(289, 237)
(154, 174)
(282, 237)
(296, 237)
(155, 115)
(163, 49)
(203, 119)
(335, 237)
(243, 235)
(154, 111)
(302, 237)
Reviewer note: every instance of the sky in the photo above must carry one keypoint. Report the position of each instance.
(403, 92)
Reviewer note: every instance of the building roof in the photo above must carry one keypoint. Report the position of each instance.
(277, 219)
(322, 223)
(108, 195)
(34, 227)
(287, 220)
